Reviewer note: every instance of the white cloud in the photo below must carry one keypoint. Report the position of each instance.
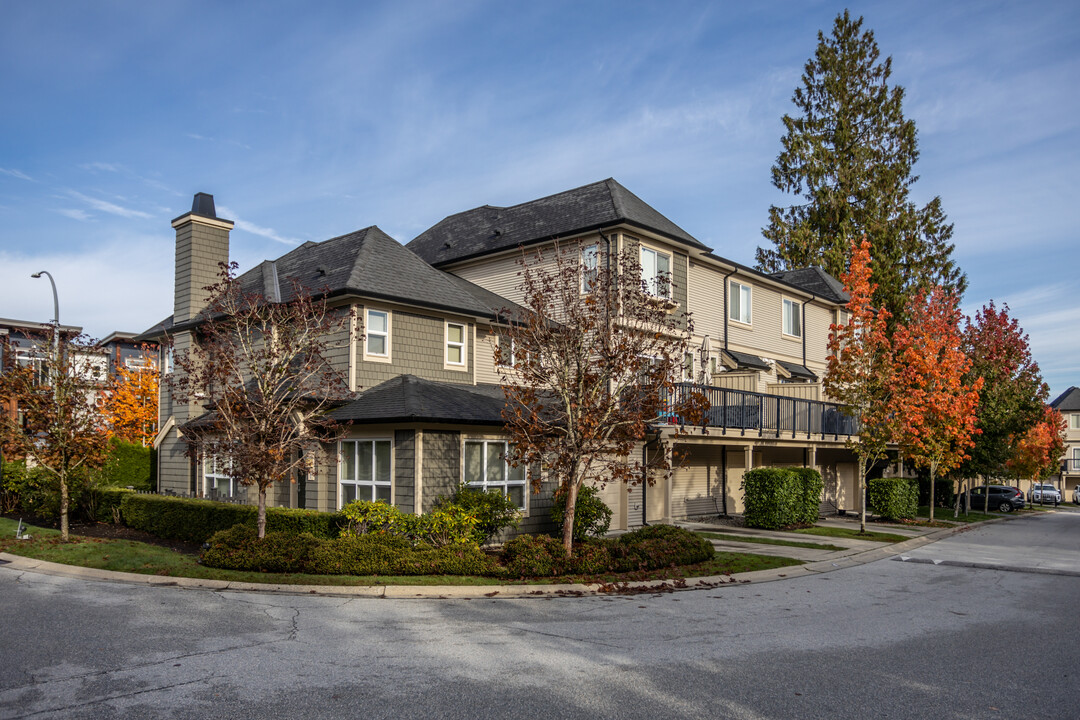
(108, 207)
(268, 233)
(16, 174)
(75, 214)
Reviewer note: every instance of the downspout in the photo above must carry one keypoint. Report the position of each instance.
(803, 328)
(727, 293)
(645, 478)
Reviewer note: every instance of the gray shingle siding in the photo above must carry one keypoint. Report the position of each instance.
(442, 465)
(405, 470)
(417, 347)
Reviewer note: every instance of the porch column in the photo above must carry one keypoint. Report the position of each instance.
(749, 457)
(811, 457)
(669, 457)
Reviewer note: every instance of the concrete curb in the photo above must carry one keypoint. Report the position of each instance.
(18, 563)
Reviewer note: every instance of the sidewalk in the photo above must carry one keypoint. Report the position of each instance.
(856, 552)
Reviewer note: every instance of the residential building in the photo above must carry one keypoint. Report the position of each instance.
(1068, 404)
(426, 413)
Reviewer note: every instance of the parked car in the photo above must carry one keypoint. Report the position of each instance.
(1076, 495)
(1001, 498)
(1044, 494)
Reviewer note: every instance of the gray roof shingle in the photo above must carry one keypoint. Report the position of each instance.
(799, 371)
(815, 280)
(746, 360)
(490, 229)
(407, 398)
(1068, 400)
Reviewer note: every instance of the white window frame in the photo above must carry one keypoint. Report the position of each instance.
(735, 314)
(791, 310)
(213, 474)
(368, 334)
(657, 286)
(463, 346)
(590, 267)
(371, 486)
(1074, 421)
(508, 477)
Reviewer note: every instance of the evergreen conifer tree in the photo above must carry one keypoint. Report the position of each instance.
(849, 154)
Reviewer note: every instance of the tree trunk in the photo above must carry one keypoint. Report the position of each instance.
(862, 494)
(262, 511)
(64, 502)
(933, 468)
(956, 505)
(568, 518)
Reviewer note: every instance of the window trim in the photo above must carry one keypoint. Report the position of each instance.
(688, 367)
(507, 482)
(589, 274)
(356, 482)
(1074, 421)
(508, 358)
(464, 345)
(375, 357)
(210, 471)
(652, 285)
(796, 313)
(732, 284)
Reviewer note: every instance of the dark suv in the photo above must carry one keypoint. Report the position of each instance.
(1001, 497)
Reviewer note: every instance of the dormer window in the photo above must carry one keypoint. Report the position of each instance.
(377, 344)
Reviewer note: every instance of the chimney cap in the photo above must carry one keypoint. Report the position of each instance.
(203, 205)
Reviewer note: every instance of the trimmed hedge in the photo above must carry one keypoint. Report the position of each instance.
(776, 498)
(239, 548)
(195, 520)
(894, 498)
(376, 553)
(127, 464)
(104, 500)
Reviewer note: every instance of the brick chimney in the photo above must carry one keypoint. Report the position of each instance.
(202, 241)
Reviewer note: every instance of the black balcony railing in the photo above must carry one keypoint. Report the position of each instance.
(768, 414)
(1071, 465)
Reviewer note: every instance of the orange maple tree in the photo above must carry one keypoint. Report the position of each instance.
(131, 407)
(1036, 454)
(935, 418)
(860, 367)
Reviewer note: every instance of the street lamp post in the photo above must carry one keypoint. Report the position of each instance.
(56, 319)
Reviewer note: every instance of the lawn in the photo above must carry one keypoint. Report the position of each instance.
(852, 534)
(769, 541)
(146, 559)
(946, 514)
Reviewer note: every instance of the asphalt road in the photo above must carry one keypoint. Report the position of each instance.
(888, 639)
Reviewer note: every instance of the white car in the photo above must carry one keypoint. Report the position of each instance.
(1076, 495)
(1044, 495)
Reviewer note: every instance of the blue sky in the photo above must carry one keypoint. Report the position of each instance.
(308, 120)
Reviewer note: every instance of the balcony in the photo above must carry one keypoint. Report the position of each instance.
(769, 415)
(1070, 466)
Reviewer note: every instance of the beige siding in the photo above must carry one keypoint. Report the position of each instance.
(696, 487)
(736, 381)
(486, 342)
(801, 391)
(818, 319)
(706, 302)
(764, 337)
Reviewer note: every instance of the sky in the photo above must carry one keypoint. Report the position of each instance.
(307, 120)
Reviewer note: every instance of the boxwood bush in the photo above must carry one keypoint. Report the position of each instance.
(195, 520)
(592, 516)
(776, 498)
(894, 498)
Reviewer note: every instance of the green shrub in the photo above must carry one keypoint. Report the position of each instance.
(534, 556)
(592, 516)
(103, 503)
(239, 548)
(195, 520)
(494, 511)
(893, 498)
(772, 497)
(127, 464)
(35, 491)
(449, 524)
(365, 516)
(660, 546)
(811, 485)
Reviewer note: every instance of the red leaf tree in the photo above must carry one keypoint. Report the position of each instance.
(1038, 452)
(860, 368)
(935, 407)
(260, 369)
(590, 366)
(60, 426)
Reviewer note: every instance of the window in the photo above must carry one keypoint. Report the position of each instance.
(455, 344)
(378, 333)
(506, 351)
(739, 302)
(364, 470)
(217, 478)
(167, 359)
(712, 365)
(486, 469)
(590, 267)
(792, 318)
(688, 366)
(656, 272)
(1074, 421)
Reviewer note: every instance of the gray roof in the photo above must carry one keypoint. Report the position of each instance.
(799, 371)
(489, 229)
(1068, 400)
(746, 360)
(407, 398)
(814, 280)
(368, 263)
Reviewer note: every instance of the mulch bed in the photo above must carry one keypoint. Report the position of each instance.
(110, 531)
